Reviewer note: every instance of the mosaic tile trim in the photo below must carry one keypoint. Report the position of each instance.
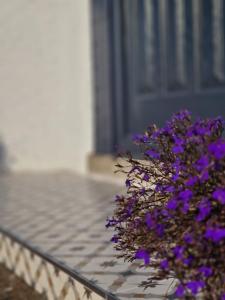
(45, 277)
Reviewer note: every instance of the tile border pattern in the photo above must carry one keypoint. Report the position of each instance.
(44, 274)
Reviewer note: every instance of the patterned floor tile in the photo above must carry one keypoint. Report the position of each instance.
(63, 217)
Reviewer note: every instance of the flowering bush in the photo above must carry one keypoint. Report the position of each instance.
(173, 214)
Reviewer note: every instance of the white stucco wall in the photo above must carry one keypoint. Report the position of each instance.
(45, 84)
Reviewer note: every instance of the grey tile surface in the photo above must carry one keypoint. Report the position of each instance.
(64, 216)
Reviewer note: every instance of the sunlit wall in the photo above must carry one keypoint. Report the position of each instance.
(45, 84)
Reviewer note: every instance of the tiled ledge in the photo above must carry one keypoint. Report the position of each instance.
(44, 274)
(53, 234)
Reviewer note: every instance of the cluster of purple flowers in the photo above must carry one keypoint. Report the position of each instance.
(173, 214)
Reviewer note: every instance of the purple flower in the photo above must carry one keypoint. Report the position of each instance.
(195, 286)
(177, 168)
(190, 132)
(118, 198)
(156, 213)
(178, 141)
(186, 206)
(139, 138)
(215, 234)
(204, 210)
(143, 254)
(160, 230)
(167, 130)
(179, 291)
(223, 297)
(204, 176)
(158, 187)
(164, 264)
(129, 207)
(176, 165)
(192, 181)
(183, 114)
(172, 204)
(177, 149)
(152, 154)
(219, 194)
(156, 134)
(135, 168)
(178, 251)
(217, 149)
(146, 177)
(114, 239)
(218, 166)
(111, 222)
(216, 123)
(149, 221)
(175, 177)
(202, 130)
(169, 189)
(186, 195)
(187, 261)
(206, 271)
(202, 163)
(142, 191)
(165, 213)
(188, 238)
(128, 183)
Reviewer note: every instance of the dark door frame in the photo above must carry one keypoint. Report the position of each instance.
(109, 90)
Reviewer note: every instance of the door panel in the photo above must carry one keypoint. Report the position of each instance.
(171, 57)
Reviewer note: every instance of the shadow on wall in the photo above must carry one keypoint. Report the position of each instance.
(4, 167)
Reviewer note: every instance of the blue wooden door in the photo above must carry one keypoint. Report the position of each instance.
(165, 55)
(173, 57)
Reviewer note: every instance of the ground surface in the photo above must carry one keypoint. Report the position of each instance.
(64, 216)
(12, 288)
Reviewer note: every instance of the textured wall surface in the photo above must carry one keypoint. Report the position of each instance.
(45, 84)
